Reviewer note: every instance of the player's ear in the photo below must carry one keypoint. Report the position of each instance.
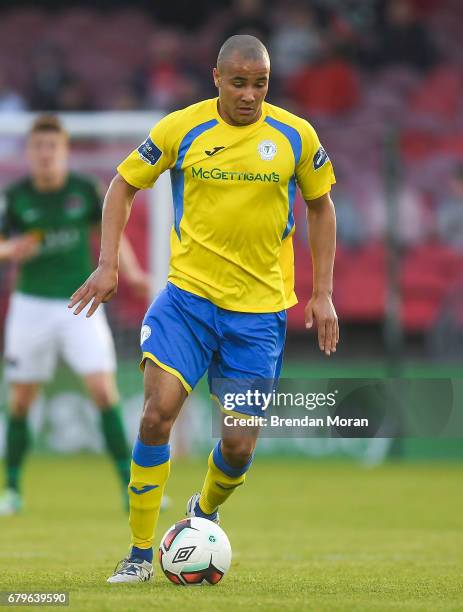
(216, 75)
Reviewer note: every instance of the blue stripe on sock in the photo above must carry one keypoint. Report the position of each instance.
(200, 513)
(229, 470)
(142, 553)
(149, 456)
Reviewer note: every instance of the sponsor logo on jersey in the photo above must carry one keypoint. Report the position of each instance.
(30, 215)
(218, 174)
(61, 240)
(149, 152)
(145, 333)
(320, 158)
(214, 151)
(267, 149)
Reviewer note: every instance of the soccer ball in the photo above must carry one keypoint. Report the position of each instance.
(195, 551)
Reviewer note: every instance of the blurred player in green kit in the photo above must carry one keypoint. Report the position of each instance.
(46, 222)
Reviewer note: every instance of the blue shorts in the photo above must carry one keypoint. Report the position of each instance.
(186, 335)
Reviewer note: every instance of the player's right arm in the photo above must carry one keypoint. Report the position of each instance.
(101, 285)
(19, 247)
(139, 170)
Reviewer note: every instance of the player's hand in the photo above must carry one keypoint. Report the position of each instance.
(140, 284)
(320, 307)
(23, 247)
(100, 287)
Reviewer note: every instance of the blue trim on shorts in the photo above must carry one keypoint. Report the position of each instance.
(192, 336)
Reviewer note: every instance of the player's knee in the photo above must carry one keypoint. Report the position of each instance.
(19, 409)
(237, 452)
(103, 398)
(156, 422)
(21, 399)
(102, 390)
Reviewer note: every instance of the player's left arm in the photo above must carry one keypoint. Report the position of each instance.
(314, 174)
(321, 226)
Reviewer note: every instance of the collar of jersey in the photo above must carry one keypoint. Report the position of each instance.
(240, 127)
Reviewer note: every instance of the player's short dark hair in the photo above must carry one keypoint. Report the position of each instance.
(246, 46)
(47, 123)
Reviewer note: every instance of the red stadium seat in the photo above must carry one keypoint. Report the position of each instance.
(439, 94)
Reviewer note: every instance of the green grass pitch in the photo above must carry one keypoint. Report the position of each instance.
(305, 536)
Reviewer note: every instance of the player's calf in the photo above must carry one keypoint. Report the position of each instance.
(221, 480)
(237, 452)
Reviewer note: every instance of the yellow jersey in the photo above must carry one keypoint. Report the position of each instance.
(233, 193)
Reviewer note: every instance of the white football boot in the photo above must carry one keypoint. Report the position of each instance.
(10, 503)
(131, 570)
(192, 506)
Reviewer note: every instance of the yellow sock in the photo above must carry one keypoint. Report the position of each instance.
(220, 482)
(149, 472)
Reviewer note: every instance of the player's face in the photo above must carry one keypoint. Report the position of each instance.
(242, 85)
(47, 154)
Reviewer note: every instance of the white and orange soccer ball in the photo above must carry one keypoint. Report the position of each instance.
(195, 551)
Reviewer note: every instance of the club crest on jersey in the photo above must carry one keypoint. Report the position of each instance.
(74, 205)
(320, 158)
(145, 333)
(267, 150)
(149, 152)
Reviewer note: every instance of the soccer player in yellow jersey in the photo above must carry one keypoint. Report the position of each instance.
(235, 164)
